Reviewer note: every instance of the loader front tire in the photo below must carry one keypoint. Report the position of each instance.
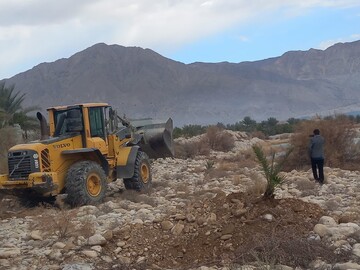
(141, 180)
(85, 184)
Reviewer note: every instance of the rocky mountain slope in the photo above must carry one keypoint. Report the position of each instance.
(203, 213)
(139, 82)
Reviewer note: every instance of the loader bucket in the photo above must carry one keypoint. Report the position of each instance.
(157, 141)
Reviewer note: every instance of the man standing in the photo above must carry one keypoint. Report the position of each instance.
(316, 151)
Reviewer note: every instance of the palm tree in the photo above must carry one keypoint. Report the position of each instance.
(272, 170)
(11, 111)
(10, 103)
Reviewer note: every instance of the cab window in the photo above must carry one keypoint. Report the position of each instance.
(96, 117)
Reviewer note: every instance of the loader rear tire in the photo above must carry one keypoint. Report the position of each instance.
(85, 184)
(142, 179)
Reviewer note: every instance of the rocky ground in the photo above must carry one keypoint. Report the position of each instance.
(202, 213)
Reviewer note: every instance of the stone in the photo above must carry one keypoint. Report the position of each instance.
(226, 236)
(124, 260)
(87, 210)
(321, 230)
(97, 248)
(9, 252)
(177, 229)
(35, 235)
(69, 246)
(180, 217)
(298, 208)
(201, 221)
(96, 239)
(140, 260)
(229, 229)
(55, 255)
(108, 235)
(138, 221)
(90, 253)
(239, 212)
(319, 264)
(212, 218)
(77, 266)
(121, 243)
(282, 267)
(59, 245)
(268, 217)
(4, 263)
(107, 259)
(166, 225)
(346, 266)
(190, 218)
(328, 221)
(356, 250)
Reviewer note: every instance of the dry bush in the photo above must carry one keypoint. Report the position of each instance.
(87, 228)
(191, 149)
(201, 169)
(228, 166)
(59, 223)
(215, 138)
(339, 134)
(258, 134)
(185, 150)
(216, 173)
(212, 133)
(236, 180)
(203, 147)
(286, 247)
(244, 159)
(305, 185)
(218, 139)
(258, 186)
(183, 188)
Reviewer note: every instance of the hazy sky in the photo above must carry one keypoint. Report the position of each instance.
(37, 31)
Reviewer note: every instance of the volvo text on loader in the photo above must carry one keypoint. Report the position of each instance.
(87, 147)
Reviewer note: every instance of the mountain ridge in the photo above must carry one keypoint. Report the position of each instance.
(142, 83)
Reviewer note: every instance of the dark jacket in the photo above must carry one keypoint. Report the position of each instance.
(316, 147)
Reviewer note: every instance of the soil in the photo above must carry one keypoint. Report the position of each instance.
(224, 230)
(232, 235)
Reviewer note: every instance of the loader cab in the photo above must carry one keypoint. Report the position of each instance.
(87, 120)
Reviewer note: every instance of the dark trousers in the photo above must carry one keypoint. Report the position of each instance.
(317, 165)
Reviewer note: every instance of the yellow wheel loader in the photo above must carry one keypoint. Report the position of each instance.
(85, 147)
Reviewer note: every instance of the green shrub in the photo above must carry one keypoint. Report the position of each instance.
(271, 171)
(209, 164)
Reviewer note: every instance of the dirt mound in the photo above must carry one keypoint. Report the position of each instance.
(223, 230)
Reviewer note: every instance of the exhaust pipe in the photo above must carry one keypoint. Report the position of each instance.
(43, 126)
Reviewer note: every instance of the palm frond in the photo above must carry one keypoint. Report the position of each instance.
(262, 159)
(272, 170)
(11, 109)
